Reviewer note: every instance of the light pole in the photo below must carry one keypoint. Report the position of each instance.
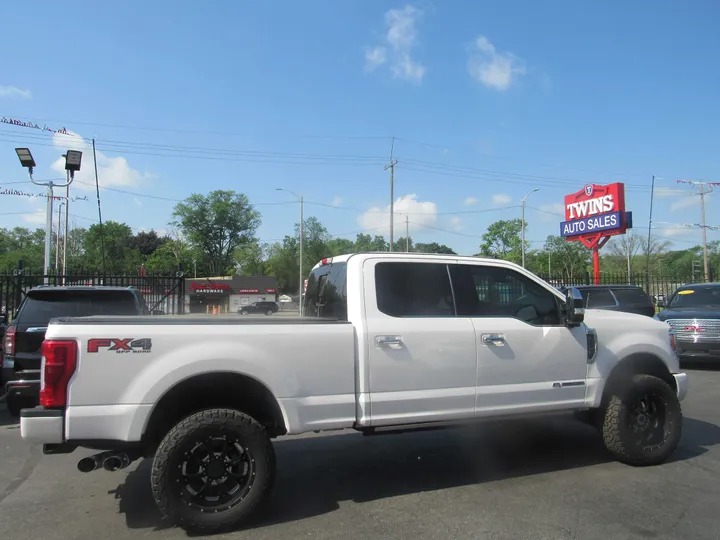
(301, 280)
(57, 237)
(73, 159)
(522, 223)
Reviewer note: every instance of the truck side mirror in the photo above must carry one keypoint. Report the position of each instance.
(574, 307)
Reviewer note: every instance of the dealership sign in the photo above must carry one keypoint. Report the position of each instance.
(595, 212)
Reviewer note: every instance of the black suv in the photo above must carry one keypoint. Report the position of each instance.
(626, 298)
(25, 334)
(268, 308)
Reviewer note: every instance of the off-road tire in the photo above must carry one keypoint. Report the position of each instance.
(166, 480)
(616, 426)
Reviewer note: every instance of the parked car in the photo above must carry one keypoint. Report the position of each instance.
(693, 312)
(268, 308)
(625, 298)
(24, 336)
(391, 342)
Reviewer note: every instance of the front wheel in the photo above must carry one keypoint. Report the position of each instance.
(642, 422)
(269, 312)
(212, 469)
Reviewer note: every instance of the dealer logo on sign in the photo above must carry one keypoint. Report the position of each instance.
(589, 190)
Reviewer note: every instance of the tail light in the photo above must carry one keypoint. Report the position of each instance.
(9, 341)
(59, 361)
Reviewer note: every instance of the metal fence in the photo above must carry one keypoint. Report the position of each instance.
(652, 284)
(162, 292)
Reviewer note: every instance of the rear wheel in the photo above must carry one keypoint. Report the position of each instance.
(642, 423)
(212, 469)
(269, 312)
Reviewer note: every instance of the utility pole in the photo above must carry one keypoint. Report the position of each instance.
(407, 234)
(703, 189)
(629, 266)
(391, 166)
(301, 280)
(647, 253)
(522, 224)
(65, 235)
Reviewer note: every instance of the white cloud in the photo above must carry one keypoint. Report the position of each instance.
(666, 192)
(375, 57)
(14, 91)
(554, 212)
(470, 201)
(337, 201)
(686, 202)
(419, 213)
(675, 231)
(37, 218)
(501, 199)
(112, 171)
(456, 223)
(400, 40)
(493, 69)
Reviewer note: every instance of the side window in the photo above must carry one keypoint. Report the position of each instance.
(326, 294)
(413, 290)
(599, 298)
(486, 291)
(632, 296)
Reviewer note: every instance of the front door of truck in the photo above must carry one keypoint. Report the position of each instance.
(421, 357)
(527, 359)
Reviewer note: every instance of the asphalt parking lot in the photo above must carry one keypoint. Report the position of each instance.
(540, 480)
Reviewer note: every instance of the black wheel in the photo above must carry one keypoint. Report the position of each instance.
(212, 469)
(642, 423)
(243, 312)
(269, 312)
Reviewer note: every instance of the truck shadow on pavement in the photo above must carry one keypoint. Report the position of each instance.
(6, 419)
(316, 473)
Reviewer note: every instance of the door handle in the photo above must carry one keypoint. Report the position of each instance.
(390, 342)
(494, 339)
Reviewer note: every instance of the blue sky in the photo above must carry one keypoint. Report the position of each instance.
(487, 100)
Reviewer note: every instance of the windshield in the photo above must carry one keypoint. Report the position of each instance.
(696, 297)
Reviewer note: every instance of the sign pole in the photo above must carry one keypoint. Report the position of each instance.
(596, 265)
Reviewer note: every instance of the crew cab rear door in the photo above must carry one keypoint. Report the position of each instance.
(527, 359)
(421, 357)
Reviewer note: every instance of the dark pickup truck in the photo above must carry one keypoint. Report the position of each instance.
(25, 334)
(693, 311)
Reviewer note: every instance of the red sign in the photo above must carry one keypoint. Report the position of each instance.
(213, 286)
(270, 291)
(593, 213)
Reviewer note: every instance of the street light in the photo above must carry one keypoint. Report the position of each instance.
(72, 164)
(73, 159)
(301, 280)
(522, 223)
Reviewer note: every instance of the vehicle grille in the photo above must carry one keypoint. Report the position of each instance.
(696, 330)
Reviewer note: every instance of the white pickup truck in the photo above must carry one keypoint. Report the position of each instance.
(389, 342)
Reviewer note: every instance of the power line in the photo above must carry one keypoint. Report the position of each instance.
(704, 188)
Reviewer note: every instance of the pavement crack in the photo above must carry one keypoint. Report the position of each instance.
(27, 469)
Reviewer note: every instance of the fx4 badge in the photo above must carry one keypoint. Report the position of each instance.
(127, 345)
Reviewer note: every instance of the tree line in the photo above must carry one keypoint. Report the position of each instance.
(215, 234)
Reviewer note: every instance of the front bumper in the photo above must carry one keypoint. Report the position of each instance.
(42, 426)
(681, 383)
(698, 350)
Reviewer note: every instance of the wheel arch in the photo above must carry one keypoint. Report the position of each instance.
(221, 389)
(637, 364)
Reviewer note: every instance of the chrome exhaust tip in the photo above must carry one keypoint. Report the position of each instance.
(87, 464)
(116, 462)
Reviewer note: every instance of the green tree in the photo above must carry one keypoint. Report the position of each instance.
(21, 243)
(117, 238)
(172, 253)
(503, 240)
(217, 223)
(340, 246)
(570, 259)
(365, 243)
(147, 242)
(434, 247)
(251, 260)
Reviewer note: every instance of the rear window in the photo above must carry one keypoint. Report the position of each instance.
(632, 296)
(598, 298)
(326, 294)
(40, 307)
